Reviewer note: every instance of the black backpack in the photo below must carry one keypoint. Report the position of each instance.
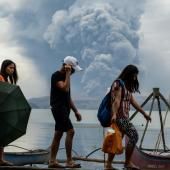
(104, 111)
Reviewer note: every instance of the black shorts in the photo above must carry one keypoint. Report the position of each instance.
(62, 120)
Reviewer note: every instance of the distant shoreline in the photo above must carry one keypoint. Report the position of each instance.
(92, 104)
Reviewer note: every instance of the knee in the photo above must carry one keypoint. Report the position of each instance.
(134, 138)
(71, 132)
(58, 135)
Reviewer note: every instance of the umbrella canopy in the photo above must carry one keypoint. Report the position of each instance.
(14, 113)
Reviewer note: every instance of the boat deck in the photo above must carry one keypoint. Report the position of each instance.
(40, 168)
(35, 168)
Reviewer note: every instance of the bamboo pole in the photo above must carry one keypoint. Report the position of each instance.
(147, 99)
(96, 160)
(147, 123)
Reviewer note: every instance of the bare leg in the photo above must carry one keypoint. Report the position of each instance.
(55, 145)
(109, 161)
(128, 155)
(68, 144)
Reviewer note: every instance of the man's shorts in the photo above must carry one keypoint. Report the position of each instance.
(62, 120)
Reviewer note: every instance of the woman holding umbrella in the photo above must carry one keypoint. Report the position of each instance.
(8, 73)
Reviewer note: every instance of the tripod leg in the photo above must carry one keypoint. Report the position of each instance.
(140, 146)
(147, 99)
(162, 97)
(161, 121)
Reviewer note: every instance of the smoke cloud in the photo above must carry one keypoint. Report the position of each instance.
(103, 35)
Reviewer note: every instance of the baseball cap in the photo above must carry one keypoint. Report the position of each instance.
(73, 62)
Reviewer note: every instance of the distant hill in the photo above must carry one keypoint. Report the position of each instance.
(89, 103)
(44, 103)
(40, 102)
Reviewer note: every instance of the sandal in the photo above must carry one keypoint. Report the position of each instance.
(55, 165)
(73, 165)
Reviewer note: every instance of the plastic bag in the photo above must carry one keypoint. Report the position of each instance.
(113, 141)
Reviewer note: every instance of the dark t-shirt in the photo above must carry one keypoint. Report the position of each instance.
(59, 99)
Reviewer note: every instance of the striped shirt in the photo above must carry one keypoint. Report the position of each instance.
(124, 108)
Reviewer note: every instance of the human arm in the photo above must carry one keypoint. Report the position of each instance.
(76, 112)
(115, 101)
(65, 85)
(2, 78)
(139, 108)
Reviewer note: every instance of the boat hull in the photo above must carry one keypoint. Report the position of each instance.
(26, 158)
(148, 161)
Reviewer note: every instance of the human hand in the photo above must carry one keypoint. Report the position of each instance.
(78, 116)
(147, 117)
(67, 68)
(113, 118)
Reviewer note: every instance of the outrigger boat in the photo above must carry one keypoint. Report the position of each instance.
(150, 159)
(144, 158)
(39, 156)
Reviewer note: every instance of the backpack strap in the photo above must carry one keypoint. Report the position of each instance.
(122, 85)
(121, 82)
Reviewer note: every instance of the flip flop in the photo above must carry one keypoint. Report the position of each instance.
(73, 165)
(55, 165)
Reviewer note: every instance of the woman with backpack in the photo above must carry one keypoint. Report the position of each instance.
(121, 99)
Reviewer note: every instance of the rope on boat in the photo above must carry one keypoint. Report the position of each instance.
(29, 150)
(93, 152)
(72, 150)
(96, 160)
(21, 148)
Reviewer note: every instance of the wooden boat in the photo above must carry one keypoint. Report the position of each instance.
(157, 158)
(148, 161)
(26, 158)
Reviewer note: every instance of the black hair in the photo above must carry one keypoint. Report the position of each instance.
(127, 75)
(14, 77)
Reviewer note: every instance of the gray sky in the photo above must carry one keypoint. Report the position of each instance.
(105, 36)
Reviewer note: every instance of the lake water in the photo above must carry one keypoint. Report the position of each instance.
(88, 136)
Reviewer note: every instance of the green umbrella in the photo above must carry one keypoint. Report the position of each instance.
(14, 113)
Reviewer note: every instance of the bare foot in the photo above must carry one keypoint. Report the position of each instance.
(131, 166)
(108, 167)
